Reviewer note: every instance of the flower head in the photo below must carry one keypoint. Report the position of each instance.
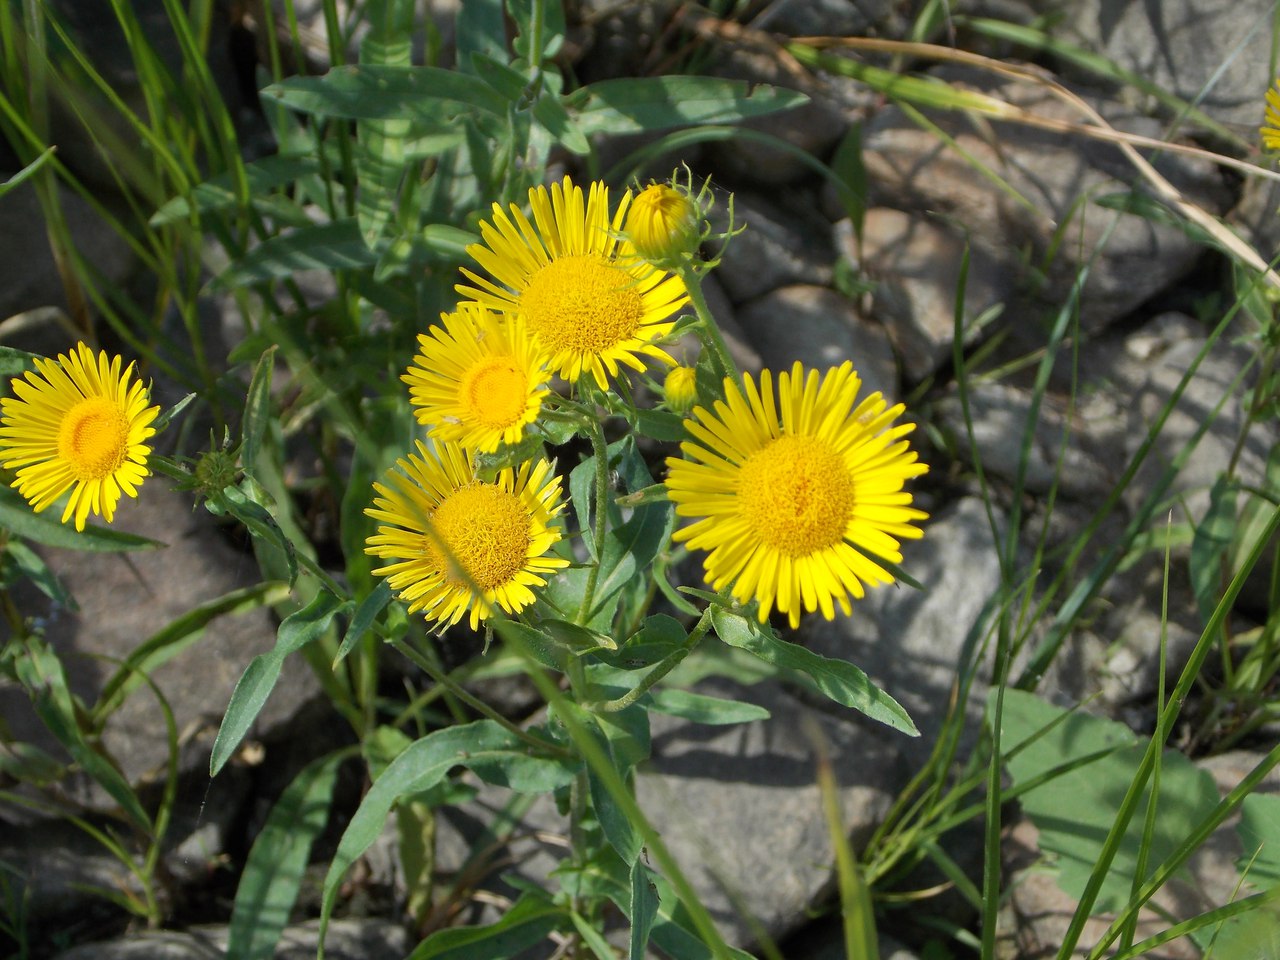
(792, 493)
(681, 389)
(77, 423)
(587, 299)
(461, 545)
(662, 223)
(477, 381)
(1270, 130)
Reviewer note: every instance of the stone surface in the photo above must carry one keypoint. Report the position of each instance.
(738, 807)
(784, 242)
(1047, 207)
(1059, 451)
(344, 940)
(820, 328)
(915, 263)
(125, 599)
(1211, 52)
(911, 642)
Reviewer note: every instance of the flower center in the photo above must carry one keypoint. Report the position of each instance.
(796, 493)
(486, 532)
(582, 303)
(93, 438)
(495, 391)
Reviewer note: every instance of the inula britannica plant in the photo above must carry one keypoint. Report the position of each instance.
(525, 604)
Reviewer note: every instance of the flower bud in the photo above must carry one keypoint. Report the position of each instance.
(662, 223)
(681, 389)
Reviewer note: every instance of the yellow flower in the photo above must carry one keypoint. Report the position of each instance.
(77, 424)
(662, 223)
(588, 300)
(787, 488)
(476, 381)
(1270, 129)
(681, 389)
(459, 544)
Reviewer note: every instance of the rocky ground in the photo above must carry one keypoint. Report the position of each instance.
(740, 805)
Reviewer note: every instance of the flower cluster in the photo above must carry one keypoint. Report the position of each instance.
(567, 295)
(797, 494)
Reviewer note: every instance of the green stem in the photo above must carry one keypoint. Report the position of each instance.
(708, 330)
(601, 451)
(474, 702)
(660, 670)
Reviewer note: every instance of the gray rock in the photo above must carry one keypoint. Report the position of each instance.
(738, 807)
(783, 243)
(915, 262)
(813, 128)
(912, 642)
(344, 940)
(1057, 178)
(820, 328)
(831, 18)
(1214, 53)
(62, 872)
(125, 599)
(1059, 451)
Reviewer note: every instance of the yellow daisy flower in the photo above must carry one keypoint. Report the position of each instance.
(476, 381)
(462, 545)
(77, 424)
(589, 301)
(787, 487)
(1270, 130)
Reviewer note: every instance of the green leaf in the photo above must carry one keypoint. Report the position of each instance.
(1075, 811)
(15, 362)
(643, 910)
(582, 485)
(264, 176)
(43, 528)
(32, 566)
(259, 678)
(259, 521)
(324, 246)
(1259, 833)
(1211, 545)
(618, 829)
(661, 425)
(27, 171)
(524, 925)
(639, 104)
(365, 614)
(277, 862)
(480, 28)
(839, 680)
(700, 708)
(576, 639)
(40, 672)
(257, 411)
(493, 752)
(532, 641)
(431, 97)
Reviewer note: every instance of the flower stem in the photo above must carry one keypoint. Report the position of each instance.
(660, 670)
(708, 330)
(601, 451)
